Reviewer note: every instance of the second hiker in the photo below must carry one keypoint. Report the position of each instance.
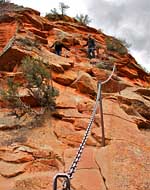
(58, 45)
(91, 47)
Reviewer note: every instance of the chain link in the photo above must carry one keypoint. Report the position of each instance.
(80, 150)
(82, 145)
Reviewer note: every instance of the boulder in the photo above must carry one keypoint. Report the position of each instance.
(85, 84)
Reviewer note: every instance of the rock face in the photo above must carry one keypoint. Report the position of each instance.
(31, 154)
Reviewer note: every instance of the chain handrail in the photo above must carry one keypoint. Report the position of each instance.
(80, 150)
(114, 67)
(73, 167)
(81, 147)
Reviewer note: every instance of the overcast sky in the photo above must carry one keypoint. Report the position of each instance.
(126, 19)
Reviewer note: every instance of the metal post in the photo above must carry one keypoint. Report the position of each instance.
(102, 119)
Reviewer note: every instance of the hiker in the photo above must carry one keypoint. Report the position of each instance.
(91, 47)
(58, 45)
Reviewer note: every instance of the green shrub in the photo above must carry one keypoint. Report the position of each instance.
(28, 42)
(114, 44)
(83, 19)
(111, 59)
(104, 65)
(37, 82)
(12, 99)
(54, 13)
(38, 78)
(11, 94)
(124, 42)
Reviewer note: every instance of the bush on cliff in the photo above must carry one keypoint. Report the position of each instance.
(37, 79)
(83, 19)
(114, 44)
(55, 15)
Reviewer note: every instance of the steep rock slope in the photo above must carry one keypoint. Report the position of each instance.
(31, 155)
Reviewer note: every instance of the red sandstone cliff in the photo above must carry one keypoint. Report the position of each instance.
(31, 156)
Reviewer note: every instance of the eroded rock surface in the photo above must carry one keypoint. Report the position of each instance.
(31, 153)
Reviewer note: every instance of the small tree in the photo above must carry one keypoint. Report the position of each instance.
(37, 82)
(13, 100)
(11, 94)
(124, 42)
(114, 44)
(38, 78)
(63, 8)
(83, 19)
(54, 11)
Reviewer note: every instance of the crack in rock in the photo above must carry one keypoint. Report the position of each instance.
(100, 171)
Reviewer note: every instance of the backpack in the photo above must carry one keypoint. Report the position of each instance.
(57, 43)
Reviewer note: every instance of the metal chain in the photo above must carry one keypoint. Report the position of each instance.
(69, 174)
(80, 150)
(114, 67)
(81, 147)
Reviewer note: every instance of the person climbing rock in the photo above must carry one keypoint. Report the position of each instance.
(91, 47)
(58, 45)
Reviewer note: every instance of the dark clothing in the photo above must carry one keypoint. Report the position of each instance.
(90, 43)
(58, 47)
(91, 52)
(91, 47)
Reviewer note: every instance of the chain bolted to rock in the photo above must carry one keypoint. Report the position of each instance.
(67, 176)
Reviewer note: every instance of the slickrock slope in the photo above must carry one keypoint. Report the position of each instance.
(31, 155)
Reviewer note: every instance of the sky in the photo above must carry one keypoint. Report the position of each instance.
(124, 19)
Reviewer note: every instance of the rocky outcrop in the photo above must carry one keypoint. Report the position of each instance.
(33, 150)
